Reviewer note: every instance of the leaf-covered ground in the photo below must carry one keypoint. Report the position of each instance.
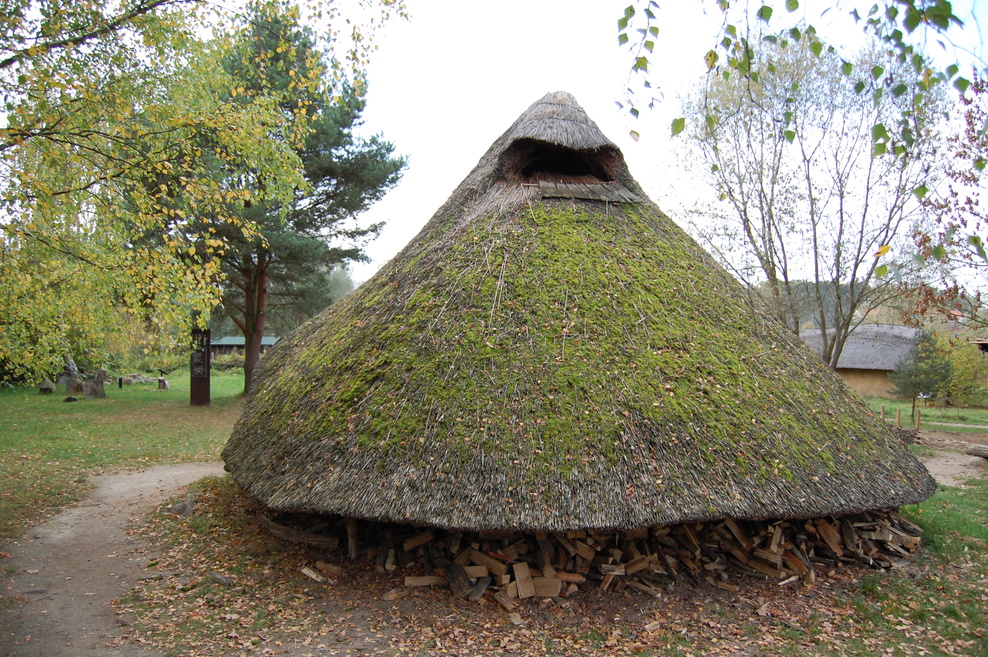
(937, 605)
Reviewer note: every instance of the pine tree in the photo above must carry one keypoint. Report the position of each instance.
(925, 370)
(300, 242)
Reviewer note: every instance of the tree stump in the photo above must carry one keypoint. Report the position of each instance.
(94, 389)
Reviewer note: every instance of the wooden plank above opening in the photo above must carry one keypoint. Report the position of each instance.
(608, 192)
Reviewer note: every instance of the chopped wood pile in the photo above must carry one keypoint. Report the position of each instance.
(511, 566)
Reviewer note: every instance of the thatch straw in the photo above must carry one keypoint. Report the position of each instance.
(549, 364)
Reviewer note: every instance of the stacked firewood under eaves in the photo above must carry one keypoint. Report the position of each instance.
(721, 554)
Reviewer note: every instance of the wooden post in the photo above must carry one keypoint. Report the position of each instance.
(199, 368)
(919, 414)
(883, 413)
(898, 417)
(351, 539)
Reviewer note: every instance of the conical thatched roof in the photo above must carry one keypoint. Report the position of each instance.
(536, 359)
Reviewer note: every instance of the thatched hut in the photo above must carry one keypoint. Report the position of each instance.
(552, 352)
(870, 355)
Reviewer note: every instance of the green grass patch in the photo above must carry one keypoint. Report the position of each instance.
(49, 447)
(937, 604)
(948, 420)
(955, 520)
(921, 451)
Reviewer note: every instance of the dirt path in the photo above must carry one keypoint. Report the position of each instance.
(59, 580)
(953, 469)
(949, 465)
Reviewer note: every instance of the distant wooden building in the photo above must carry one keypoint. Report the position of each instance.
(982, 345)
(235, 345)
(870, 354)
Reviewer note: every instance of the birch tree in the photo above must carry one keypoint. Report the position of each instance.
(958, 249)
(904, 28)
(121, 135)
(803, 194)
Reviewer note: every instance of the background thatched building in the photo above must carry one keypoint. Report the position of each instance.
(552, 352)
(870, 354)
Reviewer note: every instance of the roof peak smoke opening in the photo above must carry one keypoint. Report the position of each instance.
(531, 160)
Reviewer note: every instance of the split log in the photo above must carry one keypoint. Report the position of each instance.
(220, 578)
(526, 588)
(496, 567)
(479, 589)
(293, 535)
(547, 565)
(504, 601)
(830, 536)
(330, 569)
(546, 587)
(458, 580)
(475, 572)
(645, 588)
(397, 594)
(425, 580)
(738, 533)
(415, 541)
(584, 550)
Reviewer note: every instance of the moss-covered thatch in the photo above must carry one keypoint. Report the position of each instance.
(538, 360)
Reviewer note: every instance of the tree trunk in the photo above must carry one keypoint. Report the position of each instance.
(254, 316)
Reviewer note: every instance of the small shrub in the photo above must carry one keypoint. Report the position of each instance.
(167, 361)
(228, 361)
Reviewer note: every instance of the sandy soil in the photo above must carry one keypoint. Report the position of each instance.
(60, 580)
(950, 466)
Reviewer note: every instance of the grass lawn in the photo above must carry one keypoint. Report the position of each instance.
(949, 419)
(48, 447)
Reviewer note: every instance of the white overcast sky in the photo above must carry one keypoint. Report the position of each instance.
(447, 82)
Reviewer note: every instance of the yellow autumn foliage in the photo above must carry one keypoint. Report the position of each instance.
(122, 149)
